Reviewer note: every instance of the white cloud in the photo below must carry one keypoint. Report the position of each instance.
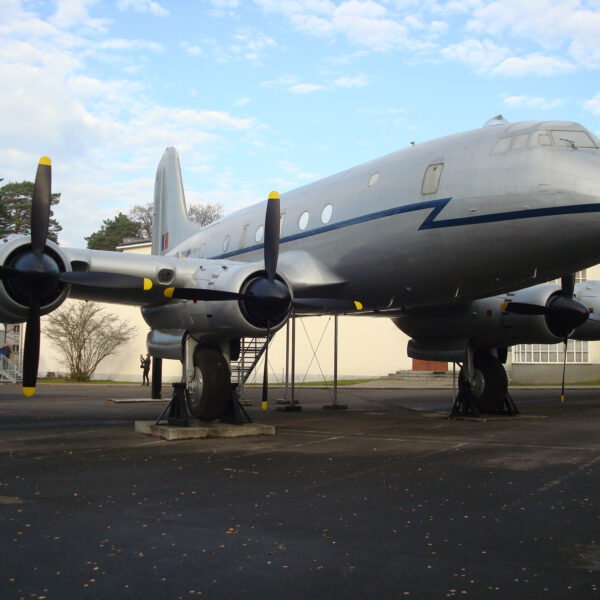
(361, 22)
(593, 105)
(350, 82)
(306, 88)
(192, 49)
(535, 102)
(104, 134)
(74, 13)
(128, 45)
(251, 45)
(533, 64)
(142, 6)
(241, 101)
(482, 55)
(346, 82)
(550, 23)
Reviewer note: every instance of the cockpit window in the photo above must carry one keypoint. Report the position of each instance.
(540, 138)
(572, 139)
(519, 141)
(502, 145)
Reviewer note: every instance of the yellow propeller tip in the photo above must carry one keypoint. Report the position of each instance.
(274, 195)
(45, 161)
(358, 305)
(147, 284)
(169, 292)
(264, 405)
(28, 391)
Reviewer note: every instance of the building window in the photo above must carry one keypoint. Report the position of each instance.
(577, 352)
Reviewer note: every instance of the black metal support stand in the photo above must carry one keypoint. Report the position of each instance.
(464, 404)
(236, 414)
(156, 378)
(177, 410)
(511, 408)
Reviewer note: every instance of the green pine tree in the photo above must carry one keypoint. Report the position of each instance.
(112, 233)
(15, 210)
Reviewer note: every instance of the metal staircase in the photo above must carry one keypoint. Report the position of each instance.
(9, 371)
(251, 351)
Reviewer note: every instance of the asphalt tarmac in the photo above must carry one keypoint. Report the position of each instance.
(388, 499)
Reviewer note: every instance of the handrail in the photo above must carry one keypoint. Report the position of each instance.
(9, 370)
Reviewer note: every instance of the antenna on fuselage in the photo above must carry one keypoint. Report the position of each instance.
(497, 120)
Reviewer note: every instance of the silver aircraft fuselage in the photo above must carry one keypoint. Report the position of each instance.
(517, 204)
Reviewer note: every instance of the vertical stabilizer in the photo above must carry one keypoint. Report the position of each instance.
(170, 225)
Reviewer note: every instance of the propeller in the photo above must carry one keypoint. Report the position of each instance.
(563, 314)
(34, 278)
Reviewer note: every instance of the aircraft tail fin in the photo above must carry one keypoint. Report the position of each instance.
(170, 225)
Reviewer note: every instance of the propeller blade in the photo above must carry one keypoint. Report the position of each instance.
(201, 294)
(106, 280)
(567, 283)
(265, 386)
(40, 209)
(329, 304)
(523, 308)
(562, 387)
(271, 250)
(31, 355)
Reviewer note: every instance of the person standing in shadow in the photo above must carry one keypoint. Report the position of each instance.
(145, 364)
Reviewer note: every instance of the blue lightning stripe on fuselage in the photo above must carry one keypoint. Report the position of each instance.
(430, 222)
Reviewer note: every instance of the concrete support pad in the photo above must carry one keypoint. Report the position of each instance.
(203, 430)
(134, 400)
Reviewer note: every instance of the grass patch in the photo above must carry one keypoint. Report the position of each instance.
(556, 384)
(341, 382)
(91, 381)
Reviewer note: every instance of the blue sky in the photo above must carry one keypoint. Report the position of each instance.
(270, 94)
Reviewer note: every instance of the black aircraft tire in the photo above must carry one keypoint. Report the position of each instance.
(491, 383)
(209, 390)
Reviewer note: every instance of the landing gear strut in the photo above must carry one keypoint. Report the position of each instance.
(483, 386)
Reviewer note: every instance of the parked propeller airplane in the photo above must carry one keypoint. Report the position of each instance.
(414, 235)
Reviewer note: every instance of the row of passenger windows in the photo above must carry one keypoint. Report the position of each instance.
(565, 139)
(430, 185)
(326, 215)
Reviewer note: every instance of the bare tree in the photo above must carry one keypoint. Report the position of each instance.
(202, 214)
(142, 214)
(86, 334)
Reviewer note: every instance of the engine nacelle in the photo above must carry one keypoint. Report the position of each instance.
(13, 306)
(212, 321)
(443, 334)
(530, 329)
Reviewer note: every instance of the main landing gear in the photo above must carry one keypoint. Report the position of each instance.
(206, 392)
(483, 386)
